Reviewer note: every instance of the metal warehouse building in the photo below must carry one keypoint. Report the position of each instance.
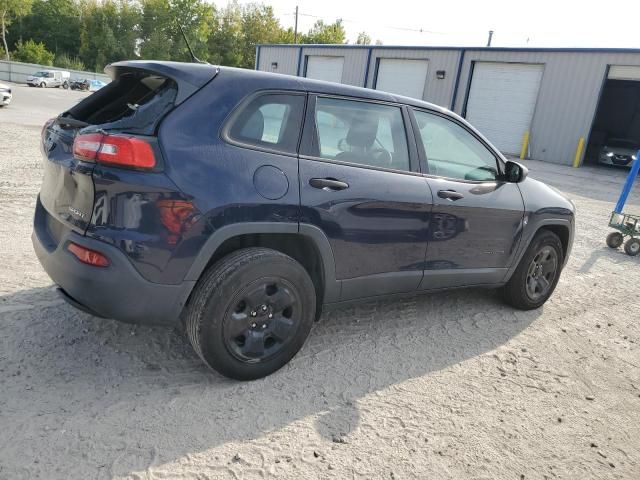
(553, 96)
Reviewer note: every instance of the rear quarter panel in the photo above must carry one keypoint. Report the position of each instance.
(216, 176)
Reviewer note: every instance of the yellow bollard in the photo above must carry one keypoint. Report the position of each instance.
(578, 157)
(525, 144)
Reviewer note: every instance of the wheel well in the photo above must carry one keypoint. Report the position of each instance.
(300, 248)
(563, 234)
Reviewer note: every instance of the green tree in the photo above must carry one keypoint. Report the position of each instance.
(108, 32)
(259, 25)
(332, 33)
(65, 61)
(56, 23)
(32, 52)
(226, 44)
(160, 35)
(10, 10)
(363, 39)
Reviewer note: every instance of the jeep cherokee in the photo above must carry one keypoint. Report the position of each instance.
(240, 202)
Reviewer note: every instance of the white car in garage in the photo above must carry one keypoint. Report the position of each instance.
(619, 152)
(5, 94)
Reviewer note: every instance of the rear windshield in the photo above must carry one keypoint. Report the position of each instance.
(134, 102)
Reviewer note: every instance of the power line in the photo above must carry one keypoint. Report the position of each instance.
(346, 20)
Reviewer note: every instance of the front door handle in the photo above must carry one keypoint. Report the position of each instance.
(450, 195)
(328, 184)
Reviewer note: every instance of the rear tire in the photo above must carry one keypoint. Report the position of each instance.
(250, 313)
(632, 246)
(614, 240)
(537, 274)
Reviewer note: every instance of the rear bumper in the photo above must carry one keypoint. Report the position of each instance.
(117, 291)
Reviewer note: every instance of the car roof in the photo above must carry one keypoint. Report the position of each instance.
(286, 82)
(197, 73)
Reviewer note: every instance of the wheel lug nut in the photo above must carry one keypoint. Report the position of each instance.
(271, 315)
(253, 325)
(253, 314)
(264, 325)
(264, 308)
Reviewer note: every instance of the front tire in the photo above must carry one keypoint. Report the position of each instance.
(537, 274)
(632, 246)
(250, 313)
(42, 85)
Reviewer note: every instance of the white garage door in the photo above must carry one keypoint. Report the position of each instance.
(624, 72)
(502, 100)
(403, 77)
(328, 69)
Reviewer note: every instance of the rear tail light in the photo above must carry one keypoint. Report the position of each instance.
(114, 150)
(88, 256)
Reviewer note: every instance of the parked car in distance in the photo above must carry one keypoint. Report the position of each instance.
(95, 85)
(5, 94)
(241, 202)
(79, 84)
(620, 152)
(49, 78)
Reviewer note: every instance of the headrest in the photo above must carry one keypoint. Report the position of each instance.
(362, 131)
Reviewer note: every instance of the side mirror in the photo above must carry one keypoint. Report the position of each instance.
(515, 172)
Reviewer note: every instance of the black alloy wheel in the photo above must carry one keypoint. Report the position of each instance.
(541, 273)
(251, 312)
(261, 320)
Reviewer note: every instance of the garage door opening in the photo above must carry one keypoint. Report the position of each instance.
(328, 69)
(615, 134)
(402, 77)
(502, 101)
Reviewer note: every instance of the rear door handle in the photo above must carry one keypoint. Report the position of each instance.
(450, 195)
(328, 184)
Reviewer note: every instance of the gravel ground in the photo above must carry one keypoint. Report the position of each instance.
(452, 385)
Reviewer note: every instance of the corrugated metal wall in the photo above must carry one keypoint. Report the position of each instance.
(436, 91)
(285, 57)
(355, 62)
(568, 96)
(567, 101)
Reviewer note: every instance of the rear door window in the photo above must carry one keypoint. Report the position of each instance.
(360, 132)
(270, 121)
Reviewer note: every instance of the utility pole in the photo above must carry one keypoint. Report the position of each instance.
(295, 29)
(490, 37)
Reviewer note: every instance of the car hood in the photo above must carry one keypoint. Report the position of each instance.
(5, 86)
(620, 150)
(539, 197)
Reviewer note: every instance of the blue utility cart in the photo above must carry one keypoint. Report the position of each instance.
(626, 225)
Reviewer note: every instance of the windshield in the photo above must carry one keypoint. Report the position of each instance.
(43, 74)
(622, 143)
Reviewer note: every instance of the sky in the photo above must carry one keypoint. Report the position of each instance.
(539, 23)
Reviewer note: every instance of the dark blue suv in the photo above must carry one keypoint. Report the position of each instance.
(241, 202)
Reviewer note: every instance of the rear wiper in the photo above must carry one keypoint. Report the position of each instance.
(70, 122)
